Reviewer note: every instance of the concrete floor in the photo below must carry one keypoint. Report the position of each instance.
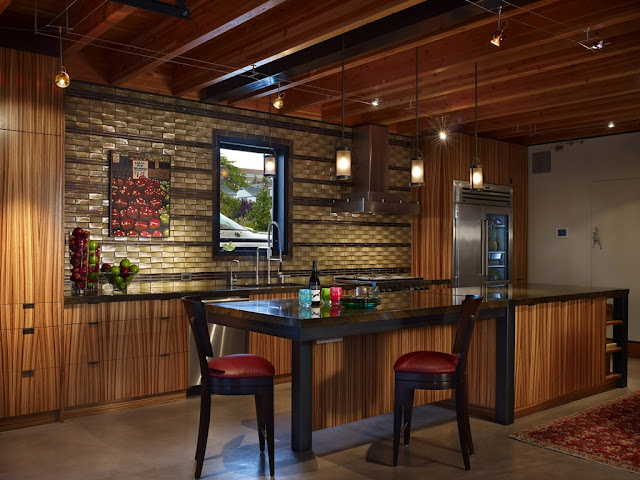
(158, 443)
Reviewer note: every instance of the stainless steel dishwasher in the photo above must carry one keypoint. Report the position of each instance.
(224, 341)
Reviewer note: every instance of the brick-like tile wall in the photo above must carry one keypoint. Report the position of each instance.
(100, 119)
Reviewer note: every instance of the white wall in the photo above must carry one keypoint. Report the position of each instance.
(562, 198)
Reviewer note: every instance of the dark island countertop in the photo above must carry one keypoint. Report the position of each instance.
(207, 289)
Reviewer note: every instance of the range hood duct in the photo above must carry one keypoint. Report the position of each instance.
(370, 170)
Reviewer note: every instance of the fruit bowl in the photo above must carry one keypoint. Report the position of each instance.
(119, 275)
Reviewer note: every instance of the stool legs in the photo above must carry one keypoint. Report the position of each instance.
(264, 412)
(464, 431)
(402, 414)
(203, 429)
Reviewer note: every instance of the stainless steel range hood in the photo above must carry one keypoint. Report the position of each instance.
(370, 169)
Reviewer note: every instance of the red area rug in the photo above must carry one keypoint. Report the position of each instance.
(608, 433)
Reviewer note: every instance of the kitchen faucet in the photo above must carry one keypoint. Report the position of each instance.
(270, 245)
(232, 278)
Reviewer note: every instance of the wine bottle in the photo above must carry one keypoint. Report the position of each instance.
(314, 285)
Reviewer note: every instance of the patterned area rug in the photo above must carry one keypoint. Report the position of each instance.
(608, 433)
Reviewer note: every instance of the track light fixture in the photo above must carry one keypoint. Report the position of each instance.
(343, 152)
(62, 78)
(476, 177)
(443, 132)
(278, 102)
(593, 43)
(498, 33)
(375, 102)
(416, 159)
(611, 124)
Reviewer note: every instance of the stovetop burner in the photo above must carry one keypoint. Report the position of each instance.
(386, 282)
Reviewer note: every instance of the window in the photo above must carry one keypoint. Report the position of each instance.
(247, 201)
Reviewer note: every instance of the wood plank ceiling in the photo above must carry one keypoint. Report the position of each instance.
(542, 85)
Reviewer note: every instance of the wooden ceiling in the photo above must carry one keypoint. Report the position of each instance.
(542, 85)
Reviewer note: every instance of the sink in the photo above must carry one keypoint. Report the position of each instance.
(253, 286)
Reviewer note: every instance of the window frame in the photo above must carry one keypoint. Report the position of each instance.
(282, 188)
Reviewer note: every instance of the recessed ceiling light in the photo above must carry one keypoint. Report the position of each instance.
(611, 124)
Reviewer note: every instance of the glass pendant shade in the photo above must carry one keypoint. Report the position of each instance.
(62, 78)
(343, 163)
(270, 164)
(417, 170)
(278, 103)
(476, 178)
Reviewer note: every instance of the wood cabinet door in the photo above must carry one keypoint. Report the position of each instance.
(84, 383)
(31, 196)
(83, 343)
(31, 391)
(30, 349)
(169, 372)
(30, 315)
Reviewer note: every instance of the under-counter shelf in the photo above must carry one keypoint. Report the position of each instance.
(613, 376)
(613, 350)
(615, 322)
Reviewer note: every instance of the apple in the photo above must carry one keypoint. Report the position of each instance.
(115, 270)
(93, 244)
(134, 268)
(124, 272)
(93, 259)
(105, 267)
(125, 263)
(78, 232)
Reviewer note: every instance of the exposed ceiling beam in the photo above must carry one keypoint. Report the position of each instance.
(177, 38)
(93, 23)
(422, 19)
(178, 10)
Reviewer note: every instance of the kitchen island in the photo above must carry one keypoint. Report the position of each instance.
(534, 346)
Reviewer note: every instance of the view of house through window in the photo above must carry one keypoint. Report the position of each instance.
(246, 200)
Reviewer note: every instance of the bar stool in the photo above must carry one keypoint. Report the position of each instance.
(428, 370)
(239, 374)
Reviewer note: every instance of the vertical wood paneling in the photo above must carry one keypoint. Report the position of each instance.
(31, 193)
(41, 315)
(481, 371)
(29, 100)
(84, 384)
(432, 230)
(559, 349)
(82, 343)
(276, 350)
(354, 379)
(35, 392)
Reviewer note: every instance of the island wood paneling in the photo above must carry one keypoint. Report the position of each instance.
(432, 229)
(353, 378)
(559, 350)
(28, 392)
(276, 350)
(481, 365)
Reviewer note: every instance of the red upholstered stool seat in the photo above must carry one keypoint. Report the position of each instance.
(242, 365)
(426, 362)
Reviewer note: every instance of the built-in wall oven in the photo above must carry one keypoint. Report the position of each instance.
(224, 341)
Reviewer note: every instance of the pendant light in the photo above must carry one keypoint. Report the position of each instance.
(416, 160)
(476, 179)
(343, 152)
(62, 78)
(278, 103)
(270, 155)
(498, 34)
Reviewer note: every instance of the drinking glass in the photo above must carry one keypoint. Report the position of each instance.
(325, 295)
(304, 297)
(335, 294)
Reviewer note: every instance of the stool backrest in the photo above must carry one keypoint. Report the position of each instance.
(466, 322)
(194, 308)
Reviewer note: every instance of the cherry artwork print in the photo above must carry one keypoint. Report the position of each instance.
(140, 195)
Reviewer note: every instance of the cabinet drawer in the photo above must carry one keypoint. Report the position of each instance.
(83, 343)
(84, 384)
(30, 348)
(170, 372)
(126, 378)
(28, 392)
(30, 315)
(85, 313)
(169, 335)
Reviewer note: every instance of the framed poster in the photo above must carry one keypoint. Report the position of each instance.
(139, 194)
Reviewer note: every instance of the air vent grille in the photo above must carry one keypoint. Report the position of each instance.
(494, 195)
(541, 162)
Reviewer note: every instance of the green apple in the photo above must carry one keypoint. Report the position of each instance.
(115, 270)
(164, 219)
(133, 268)
(117, 279)
(92, 276)
(129, 278)
(93, 245)
(125, 263)
(92, 259)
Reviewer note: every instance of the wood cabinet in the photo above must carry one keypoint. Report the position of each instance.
(122, 350)
(31, 246)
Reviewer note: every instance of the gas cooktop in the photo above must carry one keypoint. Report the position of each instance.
(385, 282)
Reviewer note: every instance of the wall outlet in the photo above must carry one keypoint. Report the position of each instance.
(185, 277)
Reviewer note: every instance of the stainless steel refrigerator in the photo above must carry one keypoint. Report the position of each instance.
(482, 235)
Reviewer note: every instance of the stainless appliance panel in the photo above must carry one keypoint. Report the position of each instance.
(468, 266)
(224, 341)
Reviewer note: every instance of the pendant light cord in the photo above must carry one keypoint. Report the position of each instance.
(269, 122)
(476, 108)
(342, 90)
(417, 144)
(60, 37)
